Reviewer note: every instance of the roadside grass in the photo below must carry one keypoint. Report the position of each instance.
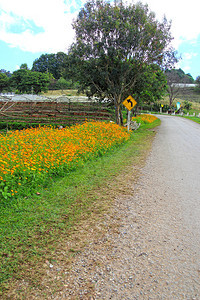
(195, 119)
(32, 230)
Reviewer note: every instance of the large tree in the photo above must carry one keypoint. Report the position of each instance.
(51, 63)
(151, 85)
(4, 80)
(27, 81)
(113, 44)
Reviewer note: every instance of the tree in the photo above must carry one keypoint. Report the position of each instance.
(27, 81)
(24, 67)
(187, 105)
(173, 86)
(197, 81)
(63, 84)
(176, 81)
(151, 86)
(4, 80)
(113, 46)
(7, 73)
(51, 63)
(189, 78)
(180, 76)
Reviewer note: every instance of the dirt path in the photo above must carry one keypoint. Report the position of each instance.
(150, 248)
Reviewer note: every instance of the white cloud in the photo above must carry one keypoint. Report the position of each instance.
(53, 16)
(183, 14)
(186, 68)
(189, 56)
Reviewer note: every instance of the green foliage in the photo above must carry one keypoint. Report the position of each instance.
(22, 125)
(4, 191)
(114, 45)
(26, 81)
(194, 119)
(197, 81)
(179, 76)
(187, 105)
(151, 85)
(24, 67)
(154, 107)
(7, 73)
(51, 63)
(174, 78)
(4, 81)
(62, 84)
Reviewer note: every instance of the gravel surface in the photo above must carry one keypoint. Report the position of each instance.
(150, 248)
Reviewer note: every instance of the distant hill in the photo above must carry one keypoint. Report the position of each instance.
(179, 76)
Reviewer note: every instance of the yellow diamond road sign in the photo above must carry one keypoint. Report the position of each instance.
(129, 102)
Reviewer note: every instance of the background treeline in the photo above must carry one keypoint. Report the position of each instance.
(49, 71)
(57, 71)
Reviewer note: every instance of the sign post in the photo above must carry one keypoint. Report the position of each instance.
(129, 103)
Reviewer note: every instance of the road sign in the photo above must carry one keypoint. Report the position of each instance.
(178, 105)
(129, 102)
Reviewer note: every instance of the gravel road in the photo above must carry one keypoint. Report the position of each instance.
(151, 249)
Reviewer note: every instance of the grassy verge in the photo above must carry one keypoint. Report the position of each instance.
(33, 229)
(195, 119)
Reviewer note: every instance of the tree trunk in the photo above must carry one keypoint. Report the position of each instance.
(170, 101)
(117, 113)
(121, 116)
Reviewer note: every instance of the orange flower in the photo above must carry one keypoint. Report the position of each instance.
(145, 118)
(44, 150)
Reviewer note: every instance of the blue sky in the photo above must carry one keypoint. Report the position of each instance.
(31, 28)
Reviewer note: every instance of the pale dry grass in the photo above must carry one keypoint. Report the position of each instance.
(62, 92)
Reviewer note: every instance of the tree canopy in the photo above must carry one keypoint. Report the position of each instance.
(27, 81)
(4, 80)
(179, 76)
(51, 63)
(174, 78)
(197, 81)
(115, 45)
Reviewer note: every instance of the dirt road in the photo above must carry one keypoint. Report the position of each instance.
(151, 249)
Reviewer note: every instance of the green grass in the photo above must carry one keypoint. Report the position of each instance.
(195, 119)
(32, 228)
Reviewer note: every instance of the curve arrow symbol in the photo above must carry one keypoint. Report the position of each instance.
(129, 101)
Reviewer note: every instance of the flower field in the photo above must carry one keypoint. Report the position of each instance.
(144, 119)
(28, 158)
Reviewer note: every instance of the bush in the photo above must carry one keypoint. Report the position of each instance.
(187, 105)
(23, 125)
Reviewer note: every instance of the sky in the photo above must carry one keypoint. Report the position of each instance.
(30, 28)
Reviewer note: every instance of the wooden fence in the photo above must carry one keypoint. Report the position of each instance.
(53, 112)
